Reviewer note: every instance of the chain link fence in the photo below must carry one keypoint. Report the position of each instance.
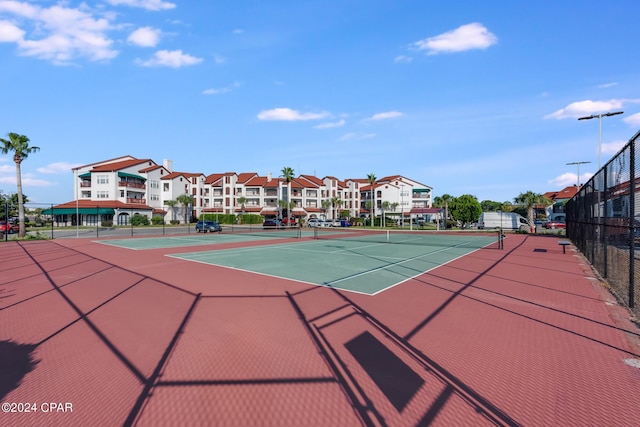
(603, 222)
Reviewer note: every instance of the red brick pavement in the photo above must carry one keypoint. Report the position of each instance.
(520, 336)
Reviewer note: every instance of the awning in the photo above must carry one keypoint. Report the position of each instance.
(130, 175)
(421, 190)
(85, 175)
(83, 211)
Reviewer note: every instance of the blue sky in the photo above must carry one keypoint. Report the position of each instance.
(468, 97)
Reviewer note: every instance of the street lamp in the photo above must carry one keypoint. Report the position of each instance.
(578, 164)
(599, 117)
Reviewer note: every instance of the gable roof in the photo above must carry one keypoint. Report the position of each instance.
(116, 166)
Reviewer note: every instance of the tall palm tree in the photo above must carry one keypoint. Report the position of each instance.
(386, 205)
(243, 201)
(336, 202)
(172, 204)
(528, 200)
(372, 180)
(287, 174)
(185, 200)
(19, 146)
(325, 205)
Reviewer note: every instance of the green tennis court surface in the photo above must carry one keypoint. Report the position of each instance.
(203, 239)
(352, 265)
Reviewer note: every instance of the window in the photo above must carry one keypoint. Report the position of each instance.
(166, 186)
(154, 184)
(103, 194)
(102, 179)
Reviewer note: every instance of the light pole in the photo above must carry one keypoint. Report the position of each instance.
(578, 164)
(599, 117)
(402, 206)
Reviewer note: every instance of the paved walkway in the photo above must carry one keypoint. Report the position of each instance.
(97, 335)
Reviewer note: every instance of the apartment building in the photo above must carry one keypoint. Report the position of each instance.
(116, 189)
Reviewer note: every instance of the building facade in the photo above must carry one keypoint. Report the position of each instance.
(116, 189)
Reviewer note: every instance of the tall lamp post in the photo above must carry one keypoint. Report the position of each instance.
(599, 117)
(578, 164)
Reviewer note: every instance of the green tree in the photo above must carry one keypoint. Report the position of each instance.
(466, 209)
(243, 201)
(185, 200)
(172, 204)
(372, 180)
(336, 202)
(287, 174)
(443, 202)
(19, 146)
(528, 201)
(325, 205)
(490, 206)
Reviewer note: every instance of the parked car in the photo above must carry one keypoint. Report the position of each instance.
(314, 222)
(8, 227)
(334, 223)
(289, 222)
(552, 225)
(345, 223)
(208, 226)
(272, 223)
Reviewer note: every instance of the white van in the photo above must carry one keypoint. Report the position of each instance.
(504, 220)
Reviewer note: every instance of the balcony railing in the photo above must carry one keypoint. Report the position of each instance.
(131, 184)
(137, 201)
(85, 184)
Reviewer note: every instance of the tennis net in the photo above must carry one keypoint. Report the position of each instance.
(270, 232)
(406, 237)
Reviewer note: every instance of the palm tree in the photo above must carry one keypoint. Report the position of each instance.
(443, 202)
(528, 200)
(242, 201)
(287, 174)
(185, 200)
(326, 205)
(19, 145)
(336, 202)
(172, 204)
(372, 180)
(386, 205)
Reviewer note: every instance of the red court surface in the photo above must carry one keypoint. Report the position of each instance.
(92, 334)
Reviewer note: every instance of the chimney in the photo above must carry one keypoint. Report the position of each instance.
(168, 165)
(269, 177)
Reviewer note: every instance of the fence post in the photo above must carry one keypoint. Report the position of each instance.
(632, 214)
(605, 245)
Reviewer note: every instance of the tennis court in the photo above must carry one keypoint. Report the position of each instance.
(197, 239)
(357, 261)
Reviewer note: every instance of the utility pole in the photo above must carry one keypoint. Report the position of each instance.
(599, 117)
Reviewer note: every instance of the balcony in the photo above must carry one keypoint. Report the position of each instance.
(85, 184)
(136, 201)
(131, 184)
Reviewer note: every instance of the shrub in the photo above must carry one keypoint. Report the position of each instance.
(174, 222)
(138, 220)
(106, 224)
(157, 220)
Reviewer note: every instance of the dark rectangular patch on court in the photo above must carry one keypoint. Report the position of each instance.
(394, 378)
(539, 250)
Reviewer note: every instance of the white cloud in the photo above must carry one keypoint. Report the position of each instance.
(218, 91)
(219, 59)
(238, 31)
(144, 4)
(612, 147)
(58, 168)
(403, 59)
(356, 136)
(466, 37)
(587, 107)
(173, 59)
(59, 34)
(567, 179)
(145, 37)
(339, 123)
(386, 115)
(606, 85)
(633, 120)
(287, 114)
(9, 32)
